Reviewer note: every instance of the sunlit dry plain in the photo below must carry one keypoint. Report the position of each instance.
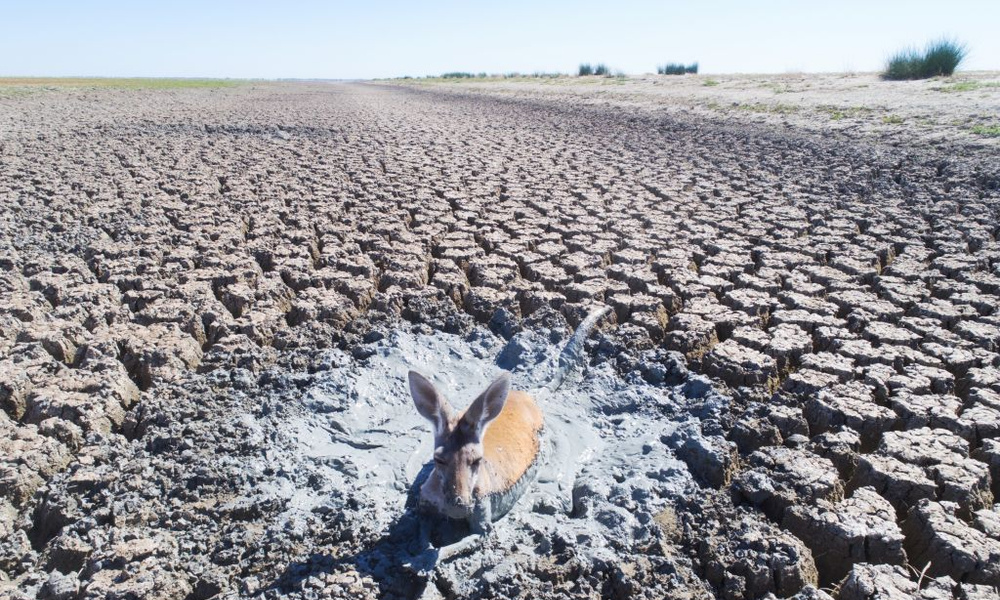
(211, 292)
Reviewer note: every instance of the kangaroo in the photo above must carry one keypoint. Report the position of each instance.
(485, 457)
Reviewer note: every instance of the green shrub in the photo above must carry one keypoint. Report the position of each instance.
(939, 58)
(676, 69)
(598, 69)
(457, 75)
(906, 64)
(943, 57)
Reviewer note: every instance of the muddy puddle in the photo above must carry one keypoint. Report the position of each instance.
(357, 447)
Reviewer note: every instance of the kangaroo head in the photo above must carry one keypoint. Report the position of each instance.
(458, 443)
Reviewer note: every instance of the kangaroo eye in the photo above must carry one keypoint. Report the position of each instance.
(475, 463)
(440, 461)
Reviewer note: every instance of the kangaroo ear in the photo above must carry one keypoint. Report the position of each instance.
(488, 405)
(429, 402)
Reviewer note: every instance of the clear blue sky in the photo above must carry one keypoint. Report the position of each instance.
(313, 39)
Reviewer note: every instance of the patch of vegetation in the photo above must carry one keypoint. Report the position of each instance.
(843, 112)
(598, 69)
(130, 83)
(616, 78)
(967, 86)
(939, 58)
(986, 130)
(482, 75)
(906, 64)
(710, 83)
(760, 107)
(535, 75)
(944, 56)
(893, 120)
(14, 91)
(676, 69)
(961, 86)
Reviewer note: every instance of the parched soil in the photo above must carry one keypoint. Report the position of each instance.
(209, 299)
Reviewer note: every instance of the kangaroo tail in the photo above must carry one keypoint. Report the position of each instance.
(571, 353)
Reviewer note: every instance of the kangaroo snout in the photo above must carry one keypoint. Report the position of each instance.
(458, 501)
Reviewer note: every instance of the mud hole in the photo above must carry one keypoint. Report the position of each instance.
(209, 299)
(608, 471)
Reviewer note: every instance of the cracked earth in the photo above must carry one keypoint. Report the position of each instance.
(209, 299)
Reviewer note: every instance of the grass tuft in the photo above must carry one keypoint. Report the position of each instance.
(939, 58)
(676, 69)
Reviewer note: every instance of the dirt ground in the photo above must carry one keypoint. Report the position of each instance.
(210, 296)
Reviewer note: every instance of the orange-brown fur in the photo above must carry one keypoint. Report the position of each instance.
(510, 443)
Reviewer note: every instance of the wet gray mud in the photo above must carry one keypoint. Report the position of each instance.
(209, 299)
(357, 448)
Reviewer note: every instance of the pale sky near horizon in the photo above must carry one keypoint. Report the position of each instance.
(359, 40)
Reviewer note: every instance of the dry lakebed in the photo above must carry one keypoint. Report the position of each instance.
(210, 296)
